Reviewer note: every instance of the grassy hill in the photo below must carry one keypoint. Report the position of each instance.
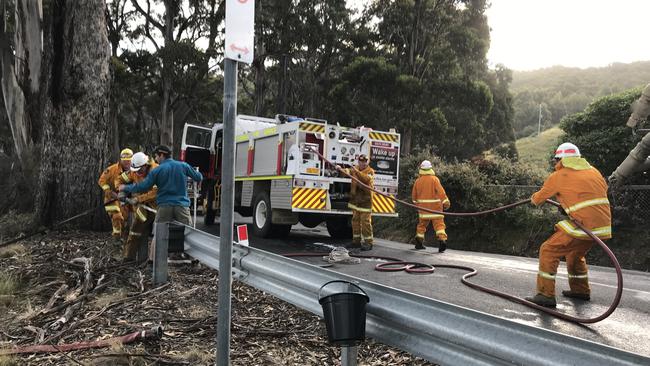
(537, 149)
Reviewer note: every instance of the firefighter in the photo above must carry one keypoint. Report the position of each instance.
(140, 204)
(118, 213)
(429, 193)
(361, 203)
(171, 180)
(582, 192)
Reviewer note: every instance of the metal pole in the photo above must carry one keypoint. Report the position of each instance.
(161, 240)
(194, 192)
(539, 120)
(227, 206)
(349, 356)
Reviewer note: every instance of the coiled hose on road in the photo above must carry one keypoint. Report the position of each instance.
(473, 272)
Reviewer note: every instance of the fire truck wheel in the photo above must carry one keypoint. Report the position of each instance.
(339, 227)
(262, 215)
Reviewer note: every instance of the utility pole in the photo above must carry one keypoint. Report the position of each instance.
(539, 120)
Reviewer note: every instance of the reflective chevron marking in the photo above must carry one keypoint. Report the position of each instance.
(308, 198)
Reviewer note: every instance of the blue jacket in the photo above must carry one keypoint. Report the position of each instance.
(171, 179)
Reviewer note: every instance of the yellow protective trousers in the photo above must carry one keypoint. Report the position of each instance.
(139, 233)
(118, 215)
(574, 250)
(362, 227)
(438, 225)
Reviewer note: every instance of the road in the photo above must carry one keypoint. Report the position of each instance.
(625, 328)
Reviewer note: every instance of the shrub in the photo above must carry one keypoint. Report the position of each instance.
(476, 186)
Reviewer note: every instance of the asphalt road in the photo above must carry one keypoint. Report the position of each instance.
(626, 328)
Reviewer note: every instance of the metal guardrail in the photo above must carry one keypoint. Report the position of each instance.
(434, 330)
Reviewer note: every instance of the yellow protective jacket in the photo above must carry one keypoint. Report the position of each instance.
(146, 198)
(107, 179)
(582, 192)
(360, 197)
(428, 193)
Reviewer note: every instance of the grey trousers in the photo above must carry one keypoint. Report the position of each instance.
(173, 213)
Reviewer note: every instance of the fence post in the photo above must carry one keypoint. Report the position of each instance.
(161, 239)
(349, 355)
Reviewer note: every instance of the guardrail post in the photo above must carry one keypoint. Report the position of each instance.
(161, 240)
(349, 355)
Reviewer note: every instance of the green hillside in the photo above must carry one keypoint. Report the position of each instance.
(558, 91)
(537, 149)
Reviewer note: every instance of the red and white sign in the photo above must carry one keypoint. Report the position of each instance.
(379, 143)
(240, 30)
(242, 234)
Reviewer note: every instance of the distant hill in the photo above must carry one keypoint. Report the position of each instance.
(592, 81)
(565, 90)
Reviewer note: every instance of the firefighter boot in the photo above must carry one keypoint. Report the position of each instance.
(576, 295)
(419, 243)
(366, 246)
(542, 300)
(442, 246)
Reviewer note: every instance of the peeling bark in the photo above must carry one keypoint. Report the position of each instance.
(20, 57)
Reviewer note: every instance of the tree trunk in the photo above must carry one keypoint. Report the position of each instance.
(282, 86)
(21, 70)
(406, 141)
(258, 64)
(167, 116)
(75, 102)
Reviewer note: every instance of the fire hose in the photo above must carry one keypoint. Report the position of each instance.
(424, 268)
(155, 332)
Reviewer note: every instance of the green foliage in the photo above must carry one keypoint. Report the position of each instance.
(562, 91)
(600, 132)
(476, 186)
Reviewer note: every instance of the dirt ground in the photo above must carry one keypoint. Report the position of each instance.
(69, 287)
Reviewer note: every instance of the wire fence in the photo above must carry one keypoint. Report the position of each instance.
(630, 204)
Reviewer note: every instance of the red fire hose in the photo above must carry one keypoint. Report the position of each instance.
(423, 269)
(153, 333)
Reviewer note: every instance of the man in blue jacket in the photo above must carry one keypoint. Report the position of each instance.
(171, 179)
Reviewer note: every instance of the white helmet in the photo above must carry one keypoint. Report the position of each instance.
(426, 165)
(566, 150)
(138, 160)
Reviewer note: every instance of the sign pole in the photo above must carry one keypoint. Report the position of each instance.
(240, 30)
(227, 208)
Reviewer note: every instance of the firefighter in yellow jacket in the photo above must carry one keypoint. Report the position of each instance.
(582, 192)
(429, 193)
(142, 205)
(361, 203)
(117, 212)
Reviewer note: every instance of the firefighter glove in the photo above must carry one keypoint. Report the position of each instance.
(132, 201)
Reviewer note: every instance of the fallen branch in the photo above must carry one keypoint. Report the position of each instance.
(115, 303)
(69, 312)
(153, 333)
(40, 332)
(65, 304)
(55, 297)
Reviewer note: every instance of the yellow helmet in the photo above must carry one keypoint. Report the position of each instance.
(126, 154)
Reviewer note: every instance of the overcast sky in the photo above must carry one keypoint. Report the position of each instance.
(531, 34)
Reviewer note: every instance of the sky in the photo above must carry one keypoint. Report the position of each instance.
(533, 34)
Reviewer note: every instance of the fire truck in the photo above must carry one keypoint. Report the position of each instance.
(279, 179)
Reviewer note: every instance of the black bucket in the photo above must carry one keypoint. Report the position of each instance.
(345, 314)
(176, 239)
